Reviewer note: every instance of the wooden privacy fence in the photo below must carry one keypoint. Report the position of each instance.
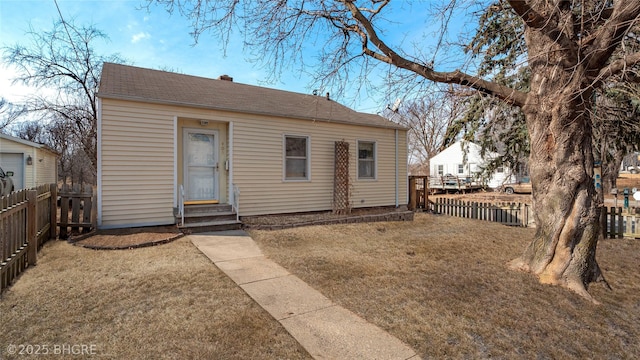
(26, 219)
(78, 200)
(615, 222)
(619, 223)
(418, 192)
(512, 214)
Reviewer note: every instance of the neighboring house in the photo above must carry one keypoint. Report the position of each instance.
(160, 131)
(462, 159)
(32, 164)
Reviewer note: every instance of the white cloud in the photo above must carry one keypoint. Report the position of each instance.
(140, 36)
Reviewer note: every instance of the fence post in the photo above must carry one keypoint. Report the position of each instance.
(620, 223)
(53, 205)
(603, 221)
(412, 193)
(32, 252)
(64, 210)
(425, 189)
(87, 208)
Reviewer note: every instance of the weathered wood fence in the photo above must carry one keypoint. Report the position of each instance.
(78, 200)
(26, 219)
(615, 222)
(507, 213)
(418, 192)
(621, 223)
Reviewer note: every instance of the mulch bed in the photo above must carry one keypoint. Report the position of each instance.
(129, 238)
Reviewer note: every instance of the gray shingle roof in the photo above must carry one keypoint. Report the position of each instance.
(133, 83)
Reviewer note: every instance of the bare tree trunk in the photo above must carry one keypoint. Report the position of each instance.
(563, 251)
(611, 170)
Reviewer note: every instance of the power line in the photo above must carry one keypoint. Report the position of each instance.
(64, 24)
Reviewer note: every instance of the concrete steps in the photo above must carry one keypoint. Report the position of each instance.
(210, 217)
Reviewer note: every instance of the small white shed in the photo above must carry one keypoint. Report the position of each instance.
(452, 161)
(32, 164)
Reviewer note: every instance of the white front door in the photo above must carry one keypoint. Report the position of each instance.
(200, 164)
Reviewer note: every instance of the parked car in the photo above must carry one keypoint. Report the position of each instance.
(6, 183)
(521, 187)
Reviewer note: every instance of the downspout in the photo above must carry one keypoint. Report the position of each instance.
(231, 195)
(397, 170)
(176, 186)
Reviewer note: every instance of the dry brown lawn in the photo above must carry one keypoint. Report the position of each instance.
(441, 285)
(162, 302)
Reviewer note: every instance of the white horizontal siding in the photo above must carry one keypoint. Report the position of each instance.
(46, 167)
(137, 165)
(258, 164)
(137, 162)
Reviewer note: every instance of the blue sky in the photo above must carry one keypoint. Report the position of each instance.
(159, 40)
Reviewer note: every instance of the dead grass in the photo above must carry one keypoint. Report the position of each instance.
(163, 302)
(628, 181)
(441, 285)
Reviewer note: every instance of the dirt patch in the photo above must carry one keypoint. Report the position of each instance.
(128, 238)
(629, 181)
(279, 222)
(301, 218)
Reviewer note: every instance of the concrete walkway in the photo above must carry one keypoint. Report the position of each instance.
(324, 329)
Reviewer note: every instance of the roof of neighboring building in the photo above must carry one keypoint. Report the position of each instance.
(28, 143)
(125, 82)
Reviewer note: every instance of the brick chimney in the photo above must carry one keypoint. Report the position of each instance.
(225, 77)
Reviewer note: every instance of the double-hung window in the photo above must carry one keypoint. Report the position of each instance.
(296, 157)
(366, 160)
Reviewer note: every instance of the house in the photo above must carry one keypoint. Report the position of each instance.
(32, 164)
(463, 159)
(168, 140)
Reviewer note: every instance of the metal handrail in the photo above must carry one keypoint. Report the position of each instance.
(181, 205)
(236, 201)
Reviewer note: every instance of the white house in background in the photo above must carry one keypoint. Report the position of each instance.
(452, 161)
(32, 164)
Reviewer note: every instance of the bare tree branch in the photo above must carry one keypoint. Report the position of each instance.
(618, 66)
(530, 17)
(625, 14)
(388, 55)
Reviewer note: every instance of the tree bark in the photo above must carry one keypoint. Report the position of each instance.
(566, 211)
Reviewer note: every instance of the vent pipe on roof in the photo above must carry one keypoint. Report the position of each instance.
(225, 77)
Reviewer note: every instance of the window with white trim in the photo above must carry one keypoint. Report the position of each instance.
(296, 157)
(366, 160)
(440, 170)
(460, 168)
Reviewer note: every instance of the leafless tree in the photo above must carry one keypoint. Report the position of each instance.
(570, 47)
(8, 114)
(63, 60)
(428, 118)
